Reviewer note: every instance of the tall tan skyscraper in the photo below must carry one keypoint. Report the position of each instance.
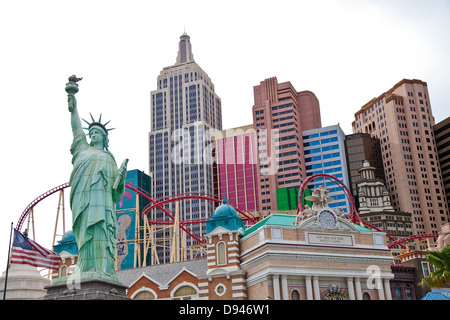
(403, 121)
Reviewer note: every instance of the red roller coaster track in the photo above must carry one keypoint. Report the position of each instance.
(413, 237)
(27, 210)
(159, 203)
(154, 203)
(169, 213)
(186, 196)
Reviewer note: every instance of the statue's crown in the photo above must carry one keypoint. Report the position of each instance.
(98, 124)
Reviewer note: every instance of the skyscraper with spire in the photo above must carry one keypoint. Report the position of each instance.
(184, 111)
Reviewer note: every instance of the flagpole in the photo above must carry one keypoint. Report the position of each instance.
(7, 263)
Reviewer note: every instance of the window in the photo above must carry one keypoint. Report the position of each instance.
(295, 295)
(63, 271)
(311, 136)
(397, 292)
(144, 295)
(425, 268)
(220, 289)
(184, 293)
(221, 253)
(328, 132)
(408, 293)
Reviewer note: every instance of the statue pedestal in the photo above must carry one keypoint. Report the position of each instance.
(24, 283)
(87, 289)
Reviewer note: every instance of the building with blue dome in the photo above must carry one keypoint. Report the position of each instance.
(319, 255)
(67, 244)
(67, 249)
(226, 217)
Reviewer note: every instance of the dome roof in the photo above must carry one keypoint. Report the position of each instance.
(68, 237)
(67, 244)
(224, 209)
(226, 217)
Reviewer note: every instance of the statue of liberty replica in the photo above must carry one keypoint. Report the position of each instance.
(97, 184)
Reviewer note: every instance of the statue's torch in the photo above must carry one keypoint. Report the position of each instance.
(71, 89)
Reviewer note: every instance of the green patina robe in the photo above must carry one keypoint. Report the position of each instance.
(92, 200)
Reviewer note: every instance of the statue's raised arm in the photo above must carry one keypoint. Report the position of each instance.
(71, 89)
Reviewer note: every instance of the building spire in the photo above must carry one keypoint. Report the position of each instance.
(184, 49)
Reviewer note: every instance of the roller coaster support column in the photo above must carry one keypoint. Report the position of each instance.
(175, 250)
(137, 233)
(60, 204)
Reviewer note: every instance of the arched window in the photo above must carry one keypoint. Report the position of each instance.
(184, 293)
(295, 295)
(221, 253)
(63, 271)
(366, 296)
(144, 295)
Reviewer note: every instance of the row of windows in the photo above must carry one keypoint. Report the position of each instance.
(322, 141)
(321, 134)
(327, 171)
(280, 183)
(325, 164)
(324, 149)
(283, 106)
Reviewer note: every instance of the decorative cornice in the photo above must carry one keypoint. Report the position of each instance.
(274, 255)
(303, 244)
(266, 274)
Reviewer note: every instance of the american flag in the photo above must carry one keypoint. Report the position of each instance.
(26, 251)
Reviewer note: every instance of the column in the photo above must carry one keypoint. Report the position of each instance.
(358, 291)
(309, 293)
(379, 283)
(351, 289)
(284, 287)
(276, 286)
(387, 289)
(316, 287)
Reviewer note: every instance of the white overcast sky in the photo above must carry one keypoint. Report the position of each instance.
(346, 52)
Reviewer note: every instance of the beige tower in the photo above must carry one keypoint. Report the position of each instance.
(226, 279)
(403, 121)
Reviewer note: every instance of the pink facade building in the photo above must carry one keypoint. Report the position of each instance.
(236, 172)
(280, 114)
